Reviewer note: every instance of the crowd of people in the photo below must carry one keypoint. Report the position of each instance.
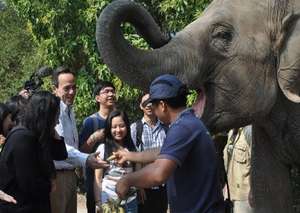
(164, 161)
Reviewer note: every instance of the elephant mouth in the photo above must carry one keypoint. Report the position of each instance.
(199, 104)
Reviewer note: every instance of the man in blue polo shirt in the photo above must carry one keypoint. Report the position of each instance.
(187, 160)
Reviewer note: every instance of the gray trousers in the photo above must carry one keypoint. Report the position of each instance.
(64, 198)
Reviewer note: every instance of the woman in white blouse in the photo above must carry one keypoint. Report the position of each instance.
(117, 136)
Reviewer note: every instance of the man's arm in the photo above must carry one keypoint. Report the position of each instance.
(79, 159)
(153, 174)
(147, 156)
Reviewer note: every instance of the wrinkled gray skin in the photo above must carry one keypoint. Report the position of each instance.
(246, 56)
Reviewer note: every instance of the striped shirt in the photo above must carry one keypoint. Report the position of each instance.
(151, 137)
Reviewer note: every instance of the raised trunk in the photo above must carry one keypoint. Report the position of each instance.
(135, 66)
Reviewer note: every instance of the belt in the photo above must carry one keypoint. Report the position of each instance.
(158, 187)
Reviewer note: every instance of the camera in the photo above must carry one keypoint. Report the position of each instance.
(35, 82)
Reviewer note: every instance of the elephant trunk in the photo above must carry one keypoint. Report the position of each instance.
(135, 66)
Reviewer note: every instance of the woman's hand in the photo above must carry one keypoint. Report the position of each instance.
(24, 93)
(98, 207)
(7, 198)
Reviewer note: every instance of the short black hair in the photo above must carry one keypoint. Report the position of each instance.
(100, 85)
(178, 101)
(58, 71)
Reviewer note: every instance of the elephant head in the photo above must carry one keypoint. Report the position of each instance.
(241, 56)
(230, 55)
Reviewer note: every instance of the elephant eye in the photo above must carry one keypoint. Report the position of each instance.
(221, 37)
(224, 35)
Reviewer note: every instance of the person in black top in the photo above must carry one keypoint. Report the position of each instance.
(16, 105)
(26, 161)
(6, 124)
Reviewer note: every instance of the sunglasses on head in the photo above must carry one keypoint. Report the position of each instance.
(146, 103)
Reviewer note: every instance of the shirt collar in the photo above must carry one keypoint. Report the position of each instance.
(156, 124)
(181, 114)
(64, 107)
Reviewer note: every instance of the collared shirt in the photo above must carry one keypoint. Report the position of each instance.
(67, 129)
(151, 137)
(194, 185)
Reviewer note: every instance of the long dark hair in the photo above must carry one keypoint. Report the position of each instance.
(4, 112)
(41, 114)
(109, 138)
(16, 105)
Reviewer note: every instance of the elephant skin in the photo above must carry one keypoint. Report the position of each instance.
(243, 58)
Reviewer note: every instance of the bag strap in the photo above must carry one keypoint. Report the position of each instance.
(227, 187)
(139, 132)
(95, 121)
(95, 128)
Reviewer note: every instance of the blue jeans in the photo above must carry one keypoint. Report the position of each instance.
(131, 207)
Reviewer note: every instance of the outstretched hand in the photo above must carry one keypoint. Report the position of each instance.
(7, 198)
(96, 163)
(122, 156)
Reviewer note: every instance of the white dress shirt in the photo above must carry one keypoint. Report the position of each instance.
(67, 129)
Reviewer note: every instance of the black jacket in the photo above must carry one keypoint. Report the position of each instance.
(25, 173)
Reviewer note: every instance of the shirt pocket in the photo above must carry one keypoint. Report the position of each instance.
(240, 153)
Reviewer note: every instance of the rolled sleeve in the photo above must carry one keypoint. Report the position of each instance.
(170, 157)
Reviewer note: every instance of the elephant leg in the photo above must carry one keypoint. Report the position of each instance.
(270, 178)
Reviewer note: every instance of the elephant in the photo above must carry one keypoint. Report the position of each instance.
(242, 58)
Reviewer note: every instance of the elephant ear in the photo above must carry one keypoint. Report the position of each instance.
(288, 74)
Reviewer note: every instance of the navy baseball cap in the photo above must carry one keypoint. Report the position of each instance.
(164, 87)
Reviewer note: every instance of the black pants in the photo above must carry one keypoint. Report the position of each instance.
(156, 201)
(89, 183)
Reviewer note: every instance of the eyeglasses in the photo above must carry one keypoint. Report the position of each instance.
(107, 91)
(68, 88)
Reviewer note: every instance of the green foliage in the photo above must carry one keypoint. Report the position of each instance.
(191, 98)
(65, 33)
(17, 46)
(178, 13)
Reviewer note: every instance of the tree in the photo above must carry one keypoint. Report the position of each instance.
(17, 47)
(66, 30)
